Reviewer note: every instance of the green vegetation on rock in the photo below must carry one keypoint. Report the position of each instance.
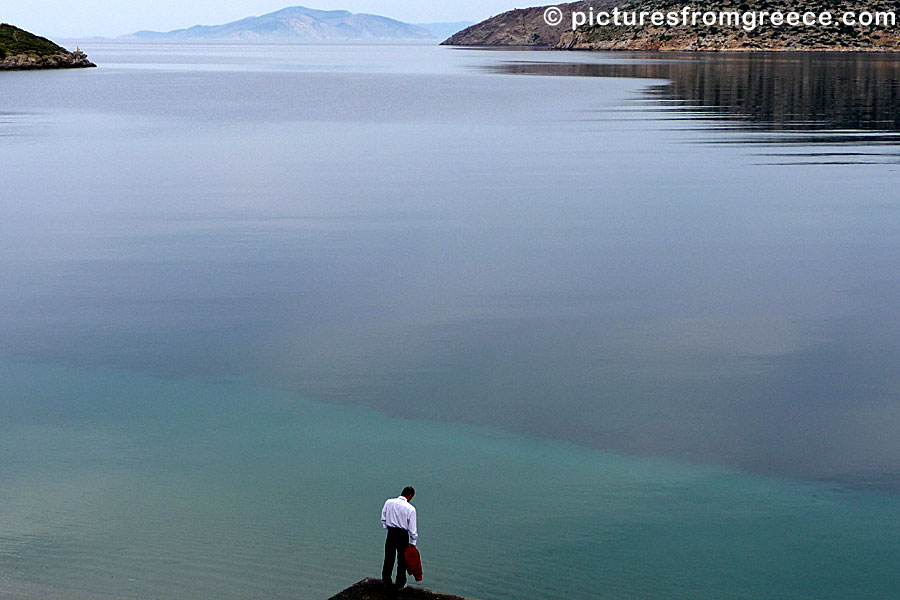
(18, 41)
(20, 50)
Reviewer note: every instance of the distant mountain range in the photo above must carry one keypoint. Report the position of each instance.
(308, 25)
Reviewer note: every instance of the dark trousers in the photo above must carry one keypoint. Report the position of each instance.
(395, 545)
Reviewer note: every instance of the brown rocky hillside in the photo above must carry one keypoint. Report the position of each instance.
(526, 27)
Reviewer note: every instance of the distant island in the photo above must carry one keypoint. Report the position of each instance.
(299, 24)
(527, 27)
(20, 50)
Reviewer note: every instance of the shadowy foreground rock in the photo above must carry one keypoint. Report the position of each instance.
(374, 589)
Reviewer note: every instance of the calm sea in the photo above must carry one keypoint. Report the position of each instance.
(627, 322)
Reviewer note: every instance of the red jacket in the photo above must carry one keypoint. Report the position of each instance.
(413, 562)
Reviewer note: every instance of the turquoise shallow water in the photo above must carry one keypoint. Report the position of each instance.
(596, 255)
(141, 487)
(247, 292)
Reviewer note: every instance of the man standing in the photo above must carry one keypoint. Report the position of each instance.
(399, 518)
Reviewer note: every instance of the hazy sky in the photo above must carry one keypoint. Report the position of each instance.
(83, 18)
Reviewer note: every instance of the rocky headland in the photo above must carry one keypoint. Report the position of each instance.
(527, 27)
(20, 50)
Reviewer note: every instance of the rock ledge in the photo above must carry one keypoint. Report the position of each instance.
(60, 60)
(374, 589)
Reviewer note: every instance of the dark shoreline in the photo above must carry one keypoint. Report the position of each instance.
(669, 51)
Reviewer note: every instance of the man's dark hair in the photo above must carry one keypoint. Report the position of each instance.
(408, 492)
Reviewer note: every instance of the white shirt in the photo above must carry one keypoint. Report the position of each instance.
(398, 512)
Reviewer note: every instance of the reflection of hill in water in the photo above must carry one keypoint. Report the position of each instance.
(771, 92)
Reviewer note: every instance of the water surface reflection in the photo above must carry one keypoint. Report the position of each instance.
(810, 99)
(437, 240)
